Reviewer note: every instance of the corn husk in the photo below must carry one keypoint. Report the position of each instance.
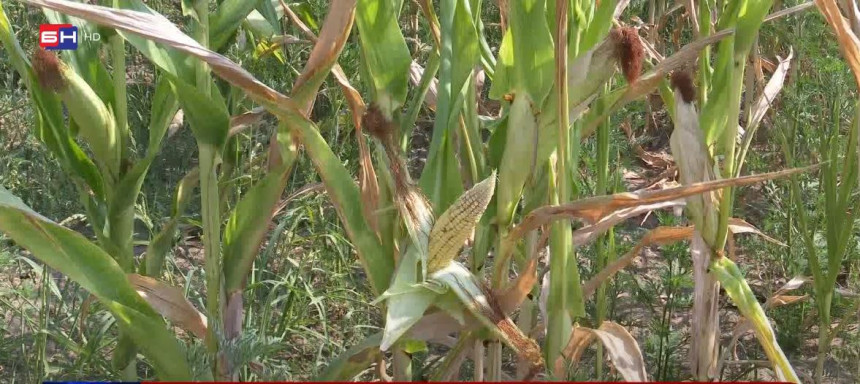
(95, 121)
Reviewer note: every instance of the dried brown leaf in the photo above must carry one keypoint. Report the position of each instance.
(622, 348)
(849, 44)
(596, 208)
(327, 48)
(774, 85)
(171, 303)
(778, 301)
(519, 289)
(580, 339)
(740, 226)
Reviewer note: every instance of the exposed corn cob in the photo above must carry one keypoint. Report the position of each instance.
(456, 224)
(95, 121)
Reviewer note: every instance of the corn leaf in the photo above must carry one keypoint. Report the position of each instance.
(385, 53)
(739, 291)
(407, 301)
(459, 54)
(352, 362)
(248, 224)
(227, 18)
(85, 263)
(163, 241)
(622, 348)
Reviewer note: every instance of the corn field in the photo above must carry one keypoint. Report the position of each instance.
(460, 181)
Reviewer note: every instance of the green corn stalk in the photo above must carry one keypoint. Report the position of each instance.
(839, 187)
(603, 245)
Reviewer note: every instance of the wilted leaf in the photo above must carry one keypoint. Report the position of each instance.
(518, 290)
(596, 208)
(485, 308)
(781, 300)
(171, 303)
(849, 44)
(774, 85)
(740, 226)
(622, 348)
(588, 233)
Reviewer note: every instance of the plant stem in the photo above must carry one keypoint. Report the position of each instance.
(824, 301)
(603, 134)
(210, 211)
(120, 102)
(402, 366)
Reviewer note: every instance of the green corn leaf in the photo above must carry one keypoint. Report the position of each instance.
(168, 59)
(739, 291)
(354, 361)
(407, 301)
(271, 14)
(527, 53)
(227, 18)
(208, 118)
(599, 25)
(163, 241)
(164, 107)
(260, 26)
(518, 160)
(386, 55)
(343, 191)
(459, 56)
(250, 219)
(85, 263)
(249, 223)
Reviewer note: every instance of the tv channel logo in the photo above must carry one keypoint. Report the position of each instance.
(58, 37)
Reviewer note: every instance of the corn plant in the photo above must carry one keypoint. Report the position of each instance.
(512, 197)
(838, 178)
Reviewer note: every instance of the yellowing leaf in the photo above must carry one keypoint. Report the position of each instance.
(171, 303)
